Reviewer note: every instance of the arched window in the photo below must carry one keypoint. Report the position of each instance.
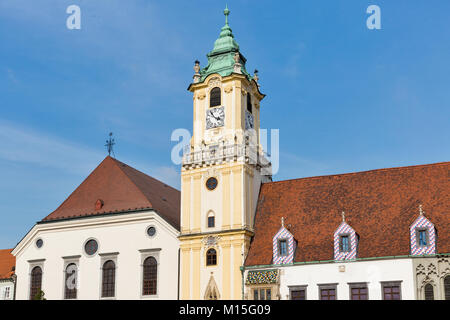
(429, 292)
(70, 285)
(447, 287)
(211, 220)
(36, 282)
(249, 103)
(150, 277)
(108, 279)
(214, 98)
(211, 257)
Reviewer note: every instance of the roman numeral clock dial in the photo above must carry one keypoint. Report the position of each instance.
(215, 117)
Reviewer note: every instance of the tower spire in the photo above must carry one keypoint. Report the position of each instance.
(226, 12)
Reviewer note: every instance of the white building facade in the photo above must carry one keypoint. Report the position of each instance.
(127, 240)
(7, 289)
(306, 281)
(114, 237)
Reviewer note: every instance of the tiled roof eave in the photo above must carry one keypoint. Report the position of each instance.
(260, 266)
(96, 214)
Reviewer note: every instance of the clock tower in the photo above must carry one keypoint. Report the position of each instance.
(222, 171)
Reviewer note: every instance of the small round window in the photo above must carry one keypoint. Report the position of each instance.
(211, 183)
(91, 247)
(151, 231)
(39, 243)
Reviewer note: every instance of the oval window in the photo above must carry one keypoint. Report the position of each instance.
(151, 231)
(39, 243)
(91, 247)
(211, 183)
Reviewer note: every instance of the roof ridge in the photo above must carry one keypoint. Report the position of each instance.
(359, 172)
(118, 163)
(85, 179)
(148, 176)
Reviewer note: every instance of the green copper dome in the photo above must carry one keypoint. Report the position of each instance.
(221, 58)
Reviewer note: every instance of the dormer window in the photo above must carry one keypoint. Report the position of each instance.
(282, 248)
(344, 243)
(215, 99)
(422, 236)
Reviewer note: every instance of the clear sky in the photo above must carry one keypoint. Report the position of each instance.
(344, 97)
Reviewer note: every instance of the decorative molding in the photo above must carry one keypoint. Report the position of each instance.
(211, 241)
(228, 89)
(214, 82)
(201, 95)
(262, 277)
(71, 257)
(108, 254)
(149, 250)
(36, 261)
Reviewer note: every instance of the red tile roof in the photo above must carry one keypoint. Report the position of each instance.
(120, 188)
(379, 204)
(7, 263)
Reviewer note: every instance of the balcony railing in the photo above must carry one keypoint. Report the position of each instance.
(225, 153)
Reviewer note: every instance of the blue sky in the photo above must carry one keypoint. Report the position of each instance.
(345, 98)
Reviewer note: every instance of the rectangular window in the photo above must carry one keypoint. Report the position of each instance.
(282, 248)
(7, 292)
(298, 294)
(359, 291)
(422, 238)
(327, 291)
(262, 294)
(210, 222)
(391, 290)
(344, 244)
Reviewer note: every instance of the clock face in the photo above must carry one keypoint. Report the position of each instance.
(249, 123)
(215, 117)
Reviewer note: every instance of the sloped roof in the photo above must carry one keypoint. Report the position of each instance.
(7, 263)
(120, 188)
(379, 204)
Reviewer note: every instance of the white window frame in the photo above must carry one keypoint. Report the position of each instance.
(103, 258)
(145, 253)
(69, 260)
(31, 265)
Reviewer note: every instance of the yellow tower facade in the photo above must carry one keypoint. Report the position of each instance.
(221, 174)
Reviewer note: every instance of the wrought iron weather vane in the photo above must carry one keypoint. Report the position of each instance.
(109, 144)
